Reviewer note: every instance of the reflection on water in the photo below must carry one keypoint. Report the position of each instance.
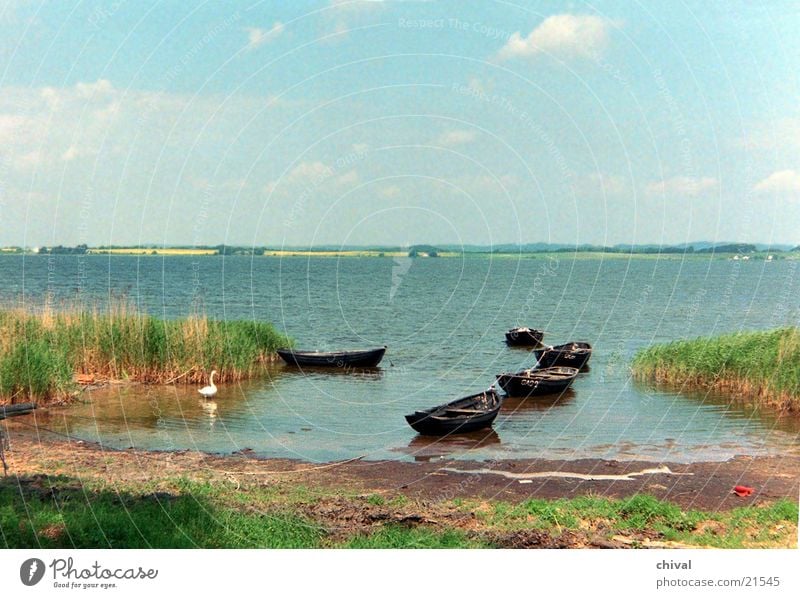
(513, 405)
(210, 409)
(444, 325)
(427, 448)
(375, 373)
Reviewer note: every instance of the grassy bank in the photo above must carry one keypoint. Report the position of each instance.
(42, 351)
(64, 512)
(760, 367)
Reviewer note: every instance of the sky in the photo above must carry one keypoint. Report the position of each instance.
(398, 122)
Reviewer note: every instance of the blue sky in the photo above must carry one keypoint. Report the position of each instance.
(398, 122)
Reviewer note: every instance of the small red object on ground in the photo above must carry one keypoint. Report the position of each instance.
(742, 490)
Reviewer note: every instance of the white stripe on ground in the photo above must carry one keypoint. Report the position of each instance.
(525, 478)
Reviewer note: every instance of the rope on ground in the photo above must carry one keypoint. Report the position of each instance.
(304, 470)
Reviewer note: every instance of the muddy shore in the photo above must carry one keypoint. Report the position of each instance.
(702, 485)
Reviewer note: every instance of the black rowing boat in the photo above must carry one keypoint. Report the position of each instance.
(365, 358)
(571, 355)
(524, 337)
(463, 415)
(11, 411)
(17, 409)
(536, 381)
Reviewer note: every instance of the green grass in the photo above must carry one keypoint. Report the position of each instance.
(396, 536)
(763, 367)
(737, 528)
(638, 513)
(72, 515)
(41, 351)
(63, 512)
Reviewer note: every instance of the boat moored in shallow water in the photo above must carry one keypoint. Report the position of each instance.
(524, 337)
(537, 381)
(467, 414)
(361, 358)
(571, 355)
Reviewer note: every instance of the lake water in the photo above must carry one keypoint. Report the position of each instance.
(443, 320)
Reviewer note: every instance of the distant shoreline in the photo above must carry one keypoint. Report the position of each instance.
(732, 250)
(757, 256)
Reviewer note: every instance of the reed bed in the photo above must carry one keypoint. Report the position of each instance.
(42, 351)
(760, 367)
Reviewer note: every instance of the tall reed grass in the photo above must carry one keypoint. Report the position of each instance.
(762, 367)
(42, 350)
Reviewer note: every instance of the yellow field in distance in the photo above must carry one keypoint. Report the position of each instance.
(154, 251)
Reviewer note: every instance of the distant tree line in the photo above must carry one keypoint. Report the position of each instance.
(417, 250)
(60, 249)
(733, 248)
(236, 250)
(433, 251)
(626, 249)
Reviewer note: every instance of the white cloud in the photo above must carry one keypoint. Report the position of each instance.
(98, 88)
(456, 137)
(312, 175)
(310, 171)
(47, 124)
(11, 125)
(351, 13)
(682, 185)
(30, 159)
(349, 178)
(390, 192)
(782, 181)
(564, 35)
(71, 153)
(257, 37)
(50, 125)
(601, 184)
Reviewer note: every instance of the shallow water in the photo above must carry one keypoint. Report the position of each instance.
(443, 320)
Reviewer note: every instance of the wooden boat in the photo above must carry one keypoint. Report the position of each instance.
(524, 337)
(468, 414)
(16, 409)
(537, 381)
(571, 355)
(11, 411)
(365, 358)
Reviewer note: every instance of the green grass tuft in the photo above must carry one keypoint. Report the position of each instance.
(395, 536)
(761, 366)
(744, 527)
(61, 514)
(41, 352)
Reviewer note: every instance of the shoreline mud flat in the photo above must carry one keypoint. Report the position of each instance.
(58, 487)
(699, 485)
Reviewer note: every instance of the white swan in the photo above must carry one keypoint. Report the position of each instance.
(210, 390)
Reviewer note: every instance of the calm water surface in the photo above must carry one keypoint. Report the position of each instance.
(443, 320)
